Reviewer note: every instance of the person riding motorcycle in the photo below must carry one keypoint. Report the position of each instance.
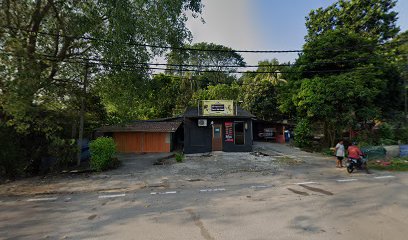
(354, 151)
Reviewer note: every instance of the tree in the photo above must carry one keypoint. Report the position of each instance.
(214, 58)
(346, 71)
(108, 27)
(338, 102)
(335, 89)
(373, 18)
(401, 60)
(46, 43)
(218, 92)
(269, 72)
(260, 90)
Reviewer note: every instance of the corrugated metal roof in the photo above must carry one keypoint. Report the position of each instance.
(143, 126)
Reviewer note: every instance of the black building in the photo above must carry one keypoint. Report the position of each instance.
(216, 131)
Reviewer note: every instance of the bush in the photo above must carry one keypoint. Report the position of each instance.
(402, 135)
(179, 157)
(11, 154)
(388, 141)
(102, 150)
(329, 151)
(303, 134)
(386, 131)
(64, 150)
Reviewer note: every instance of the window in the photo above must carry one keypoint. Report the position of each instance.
(239, 131)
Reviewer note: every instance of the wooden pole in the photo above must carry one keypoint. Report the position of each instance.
(82, 115)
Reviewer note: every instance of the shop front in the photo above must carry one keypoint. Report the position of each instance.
(217, 125)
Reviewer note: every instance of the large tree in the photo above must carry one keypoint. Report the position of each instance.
(45, 42)
(374, 18)
(260, 89)
(209, 63)
(346, 73)
(46, 45)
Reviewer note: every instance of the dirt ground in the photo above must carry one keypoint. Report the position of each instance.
(161, 170)
(141, 170)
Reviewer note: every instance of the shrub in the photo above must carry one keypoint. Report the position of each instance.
(64, 150)
(403, 135)
(303, 134)
(102, 150)
(365, 138)
(386, 131)
(179, 157)
(388, 141)
(12, 161)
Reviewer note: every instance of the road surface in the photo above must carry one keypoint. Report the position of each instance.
(303, 202)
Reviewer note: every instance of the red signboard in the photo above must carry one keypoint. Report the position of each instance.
(229, 133)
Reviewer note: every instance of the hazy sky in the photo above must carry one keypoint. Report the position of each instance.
(263, 25)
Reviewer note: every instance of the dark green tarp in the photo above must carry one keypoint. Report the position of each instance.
(374, 152)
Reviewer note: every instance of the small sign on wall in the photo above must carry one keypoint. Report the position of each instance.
(229, 133)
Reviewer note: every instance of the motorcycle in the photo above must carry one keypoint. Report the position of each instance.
(360, 164)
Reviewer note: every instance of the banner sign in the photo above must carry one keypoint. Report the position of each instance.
(217, 108)
(229, 133)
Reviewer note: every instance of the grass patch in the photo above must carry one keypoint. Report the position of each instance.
(329, 151)
(179, 157)
(395, 164)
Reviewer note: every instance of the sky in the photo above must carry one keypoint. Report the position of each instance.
(263, 25)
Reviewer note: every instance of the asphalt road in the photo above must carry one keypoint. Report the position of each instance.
(305, 202)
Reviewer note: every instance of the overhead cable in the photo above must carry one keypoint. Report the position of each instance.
(138, 44)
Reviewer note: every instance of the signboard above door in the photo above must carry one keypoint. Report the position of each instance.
(217, 108)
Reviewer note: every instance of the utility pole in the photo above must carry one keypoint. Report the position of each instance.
(406, 100)
(82, 114)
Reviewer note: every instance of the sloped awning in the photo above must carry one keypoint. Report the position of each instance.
(143, 126)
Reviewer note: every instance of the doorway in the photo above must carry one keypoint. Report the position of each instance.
(217, 137)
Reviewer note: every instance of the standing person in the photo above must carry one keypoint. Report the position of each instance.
(339, 154)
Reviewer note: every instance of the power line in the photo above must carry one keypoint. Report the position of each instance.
(133, 68)
(133, 43)
(131, 63)
(233, 66)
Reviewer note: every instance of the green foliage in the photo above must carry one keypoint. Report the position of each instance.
(336, 101)
(206, 60)
(179, 157)
(335, 90)
(64, 150)
(396, 164)
(387, 141)
(386, 131)
(102, 151)
(303, 134)
(328, 151)
(40, 96)
(217, 92)
(374, 18)
(260, 90)
(402, 135)
(269, 72)
(11, 154)
(365, 138)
